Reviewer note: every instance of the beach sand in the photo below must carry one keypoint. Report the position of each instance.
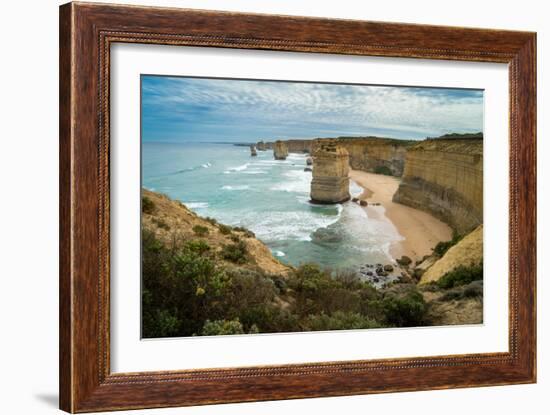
(420, 229)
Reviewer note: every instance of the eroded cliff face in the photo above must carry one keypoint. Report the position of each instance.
(376, 155)
(330, 182)
(280, 150)
(445, 178)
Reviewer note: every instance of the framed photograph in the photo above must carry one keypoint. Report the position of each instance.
(259, 207)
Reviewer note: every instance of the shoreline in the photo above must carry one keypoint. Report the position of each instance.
(420, 230)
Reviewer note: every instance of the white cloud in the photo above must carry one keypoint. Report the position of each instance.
(417, 111)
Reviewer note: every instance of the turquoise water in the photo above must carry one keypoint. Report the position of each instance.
(271, 198)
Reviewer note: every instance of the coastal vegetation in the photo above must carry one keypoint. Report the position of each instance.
(383, 170)
(201, 277)
(187, 292)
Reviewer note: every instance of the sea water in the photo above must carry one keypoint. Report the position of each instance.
(271, 198)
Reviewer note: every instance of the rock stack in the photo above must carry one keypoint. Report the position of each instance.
(261, 146)
(280, 150)
(330, 183)
(253, 152)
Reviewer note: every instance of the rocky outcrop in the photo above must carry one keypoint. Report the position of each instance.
(172, 222)
(253, 152)
(261, 146)
(467, 252)
(444, 310)
(280, 150)
(372, 154)
(444, 177)
(330, 182)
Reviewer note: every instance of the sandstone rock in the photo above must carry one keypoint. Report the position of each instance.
(404, 260)
(363, 203)
(309, 161)
(280, 150)
(253, 152)
(330, 182)
(388, 268)
(260, 146)
(355, 200)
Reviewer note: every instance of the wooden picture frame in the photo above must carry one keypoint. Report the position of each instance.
(86, 33)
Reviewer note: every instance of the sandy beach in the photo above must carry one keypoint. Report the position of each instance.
(420, 230)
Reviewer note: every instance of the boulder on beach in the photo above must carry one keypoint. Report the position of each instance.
(355, 200)
(380, 272)
(309, 161)
(388, 268)
(404, 260)
(363, 203)
(308, 169)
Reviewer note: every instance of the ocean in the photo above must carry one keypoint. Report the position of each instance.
(271, 198)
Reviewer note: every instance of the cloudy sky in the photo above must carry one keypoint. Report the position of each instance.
(196, 109)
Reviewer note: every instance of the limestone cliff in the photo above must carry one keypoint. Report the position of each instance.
(330, 182)
(280, 150)
(172, 222)
(299, 146)
(371, 154)
(445, 178)
(376, 155)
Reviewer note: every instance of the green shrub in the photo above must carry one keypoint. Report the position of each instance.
(442, 247)
(222, 327)
(280, 283)
(211, 221)
(235, 238)
(383, 170)
(236, 252)
(200, 230)
(147, 205)
(224, 229)
(159, 323)
(316, 291)
(461, 275)
(339, 321)
(405, 309)
(198, 247)
(160, 223)
(248, 233)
